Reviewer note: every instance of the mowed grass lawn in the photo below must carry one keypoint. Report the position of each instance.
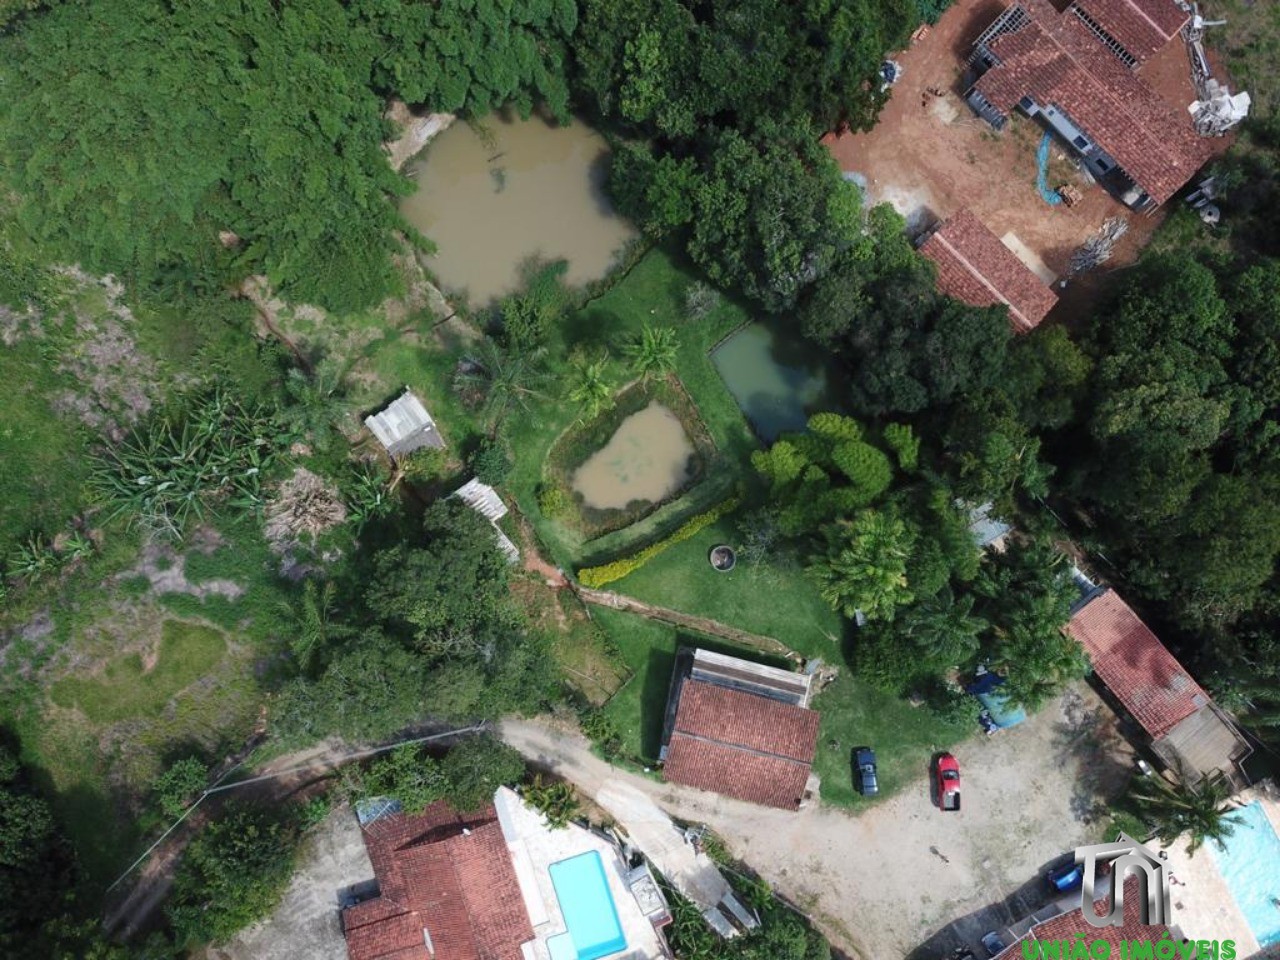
(776, 599)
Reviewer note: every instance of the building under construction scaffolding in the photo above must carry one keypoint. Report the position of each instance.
(1078, 72)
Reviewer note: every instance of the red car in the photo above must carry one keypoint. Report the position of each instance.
(947, 771)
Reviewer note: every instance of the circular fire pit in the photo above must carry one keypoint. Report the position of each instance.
(722, 557)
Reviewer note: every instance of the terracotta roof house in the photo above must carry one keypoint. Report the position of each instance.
(975, 267)
(498, 884)
(1077, 72)
(740, 729)
(447, 890)
(1187, 730)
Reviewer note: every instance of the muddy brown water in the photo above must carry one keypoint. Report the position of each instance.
(647, 458)
(491, 200)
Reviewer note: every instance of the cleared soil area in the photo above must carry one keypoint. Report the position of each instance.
(929, 154)
(892, 881)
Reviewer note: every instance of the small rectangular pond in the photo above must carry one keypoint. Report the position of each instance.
(777, 379)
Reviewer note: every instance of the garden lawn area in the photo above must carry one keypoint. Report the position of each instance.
(775, 599)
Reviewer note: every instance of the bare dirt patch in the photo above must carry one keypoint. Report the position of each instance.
(930, 155)
(116, 381)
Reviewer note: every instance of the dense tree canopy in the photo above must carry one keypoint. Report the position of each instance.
(435, 632)
(192, 143)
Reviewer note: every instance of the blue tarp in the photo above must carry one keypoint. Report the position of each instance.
(1004, 713)
(1050, 197)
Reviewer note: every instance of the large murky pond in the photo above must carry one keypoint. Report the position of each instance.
(492, 198)
(647, 458)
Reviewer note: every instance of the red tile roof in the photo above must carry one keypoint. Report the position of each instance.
(1142, 27)
(1056, 60)
(741, 745)
(1136, 667)
(974, 266)
(1065, 926)
(444, 873)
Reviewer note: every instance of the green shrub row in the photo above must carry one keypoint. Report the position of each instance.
(617, 569)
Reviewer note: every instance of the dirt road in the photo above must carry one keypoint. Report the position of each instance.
(884, 882)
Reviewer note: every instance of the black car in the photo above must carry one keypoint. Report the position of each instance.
(864, 761)
(993, 944)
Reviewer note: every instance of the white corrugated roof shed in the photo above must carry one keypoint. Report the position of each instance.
(405, 426)
(484, 500)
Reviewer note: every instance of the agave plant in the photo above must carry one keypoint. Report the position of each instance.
(369, 496)
(177, 467)
(34, 558)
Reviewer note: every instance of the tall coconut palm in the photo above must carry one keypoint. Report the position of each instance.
(1202, 812)
(496, 380)
(653, 352)
(589, 386)
(865, 570)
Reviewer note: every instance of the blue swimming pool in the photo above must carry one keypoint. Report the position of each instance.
(589, 912)
(1250, 863)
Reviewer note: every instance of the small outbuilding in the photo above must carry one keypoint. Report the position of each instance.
(405, 426)
(1190, 733)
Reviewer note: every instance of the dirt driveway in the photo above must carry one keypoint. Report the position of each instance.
(897, 876)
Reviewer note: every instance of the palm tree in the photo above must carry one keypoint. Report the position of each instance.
(1202, 812)
(942, 629)
(588, 385)
(865, 570)
(496, 380)
(653, 353)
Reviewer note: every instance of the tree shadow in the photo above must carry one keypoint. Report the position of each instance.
(967, 931)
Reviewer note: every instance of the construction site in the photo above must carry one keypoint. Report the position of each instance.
(1067, 131)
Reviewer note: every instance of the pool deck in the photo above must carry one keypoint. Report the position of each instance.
(534, 849)
(1202, 902)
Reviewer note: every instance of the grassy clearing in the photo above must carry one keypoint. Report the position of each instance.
(588, 659)
(775, 599)
(1249, 43)
(42, 455)
(125, 689)
(128, 687)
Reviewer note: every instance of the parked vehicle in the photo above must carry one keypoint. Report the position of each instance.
(1065, 878)
(948, 778)
(864, 761)
(993, 944)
